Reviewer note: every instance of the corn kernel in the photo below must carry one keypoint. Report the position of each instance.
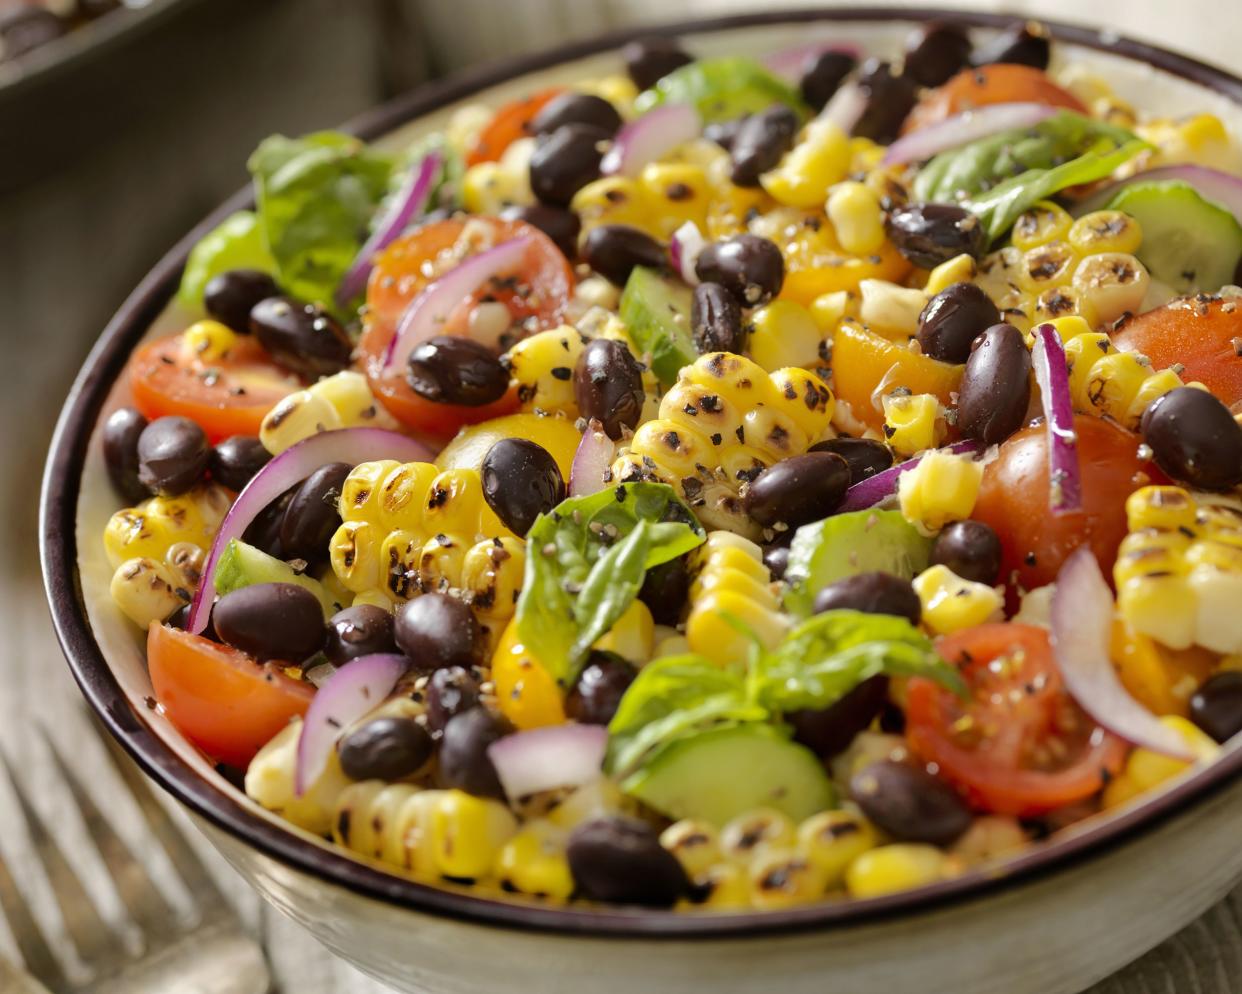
(208, 341)
(468, 833)
(832, 840)
(783, 878)
(526, 693)
(613, 200)
(299, 415)
(829, 308)
(805, 173)
(402, 494)
(943, 487)
(893, 868)
(784, 334)
(1152, 389)
(1105, 231)
(951, 603)
(355, 555)
(632, 636)
(1168, 508)
(351, 398)
(270, 782)
(1113, 284)
(754, 831)
(675, 193)
(696, 844)
(960, 269)
(147, 590)
(1114, 383)
(534, 862)
(360, 493)
(910, 422)
(1050, 265)
(856, 217)
(542, 366)
(890, 310)
(1038, 225)
(723, 887)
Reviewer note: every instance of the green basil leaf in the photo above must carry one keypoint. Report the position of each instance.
(610, 587)
(236, 243)
(722, 89)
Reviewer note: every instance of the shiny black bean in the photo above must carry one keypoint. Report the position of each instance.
(385, 749)
(723, 133)
(798, 490)
(451, 691)
(232, 295)
(829, 731)
(361, 630)
(953, 319)
(665, 589)
(464, 762)
(572, 107)
(822, 75)
(619, 860)
(271, 621)
(120, 451)
(449, 369)
(889, 98)
(1216, 707)
(908, 803)
(864, 456)
(172, 455)
(558, 223)
(234, 462)
(594, 699)
(871, 593)
(996, 387)
(970, 549)
(264, 531)
(565, 161)
(748, 266)
(1195, 439)
(26, 28)
(436, 630)
(760, 142)
(520, 482)
(313, 514)
(613, 250)
(608, 386)
(776, 559)
(649, 60)
(303, 338)
(1025, 44)
(936, 52)
(929, 234)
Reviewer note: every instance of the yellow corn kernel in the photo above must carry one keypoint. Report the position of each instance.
(454, 506)
(1145, 769)
(1059, 302)
(1152, 551)
(724, 887)
(1047, 266)
(632, 636)
(1105, 231)
(784, 334)
(832, 840)
(1168, 508)
(890, 310)
(892, 868)
(440, 563)
(270, 782)
(716, 579)
(829, 308)
(525, 692)
(208, 341)
(725, 550)
(1082, 352)
(533, 862)
(951, 603)
(1201, 139)
(402, 495)
(149, 530)
(490, 187)
(492, 575)
(676, 192)
(612, 200)
(943, 487)
(351, 398)
(696, 844)
(299, 415)
(1160, 607)
(468, 833)
(1216, 582)
(754, 831)
(1114, 382)
(1038, 225)
(376, 597)
(807, 401)
(1113, 284)
(1152, 389)
(910, 421)
(360, 493)
(856, 217)
(988, 837)
(783, 878)
(355, 555)
(543, 367)
(960, 269)
(711, 631)
(805, 173)
(147, 590)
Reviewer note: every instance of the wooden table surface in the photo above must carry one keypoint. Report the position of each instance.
(1205, 958)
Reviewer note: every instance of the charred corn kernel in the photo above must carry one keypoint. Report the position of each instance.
(1152, 389)
(891, 310)
(856, 217)
(468, 833)
(951, 603)
(533, 862)
(360, 493)
(147, 590)
(829, 308)
(960, 269)
(675, 192)
(783, 333)
(270, 782)
(389, 822)
(149, 530)
(1037, 226)
(632, 636)
(614, 200)
(1115, 381)
(1047, 266)
(299, 415)
(354, 552)
(696, 844)
(492, 575)
(1146, 770)
(897, 867)
(543, 368)
(754, 831)
(1105, 231)
(440, 564)
(186, 561)
(1163, 508)
(820, 159)
(1112, 284)
(783, 878)
(525, 692)
(402, 493)
(988, 837)
(208, 341)
(832, 840)
(351, 398)
(1082, 351)
(910, 421)
(732, 583)
(943, 487)
(723, 887)
(1119, 384)
(1058, 302)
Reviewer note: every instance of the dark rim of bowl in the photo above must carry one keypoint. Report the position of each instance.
(223, 809)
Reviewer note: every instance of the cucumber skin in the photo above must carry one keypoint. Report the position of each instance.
(243, 565)
(647, 296)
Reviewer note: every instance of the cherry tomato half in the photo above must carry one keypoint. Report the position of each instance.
(507, 125)
(1002, 83)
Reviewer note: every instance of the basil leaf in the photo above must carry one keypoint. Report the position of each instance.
(610, 588)
(236, 243)
(722, 89)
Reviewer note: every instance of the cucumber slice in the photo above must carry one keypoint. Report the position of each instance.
(243, 565)
(719, 774)
(656, 315)
(722, 89)
(1189, 242)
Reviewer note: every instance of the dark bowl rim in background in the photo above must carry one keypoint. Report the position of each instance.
(224, 809)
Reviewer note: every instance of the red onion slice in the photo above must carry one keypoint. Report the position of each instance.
(651, 137)
(352, 691)
(1223, 188)
(427, 313)
(961, 129)
(295, 464)
(1052, 375)
(845, 107)
(1082, 616)
(592, 461)
(549, 758)
(410, 202)
(684, 248)
(789, 63)
(869, 492)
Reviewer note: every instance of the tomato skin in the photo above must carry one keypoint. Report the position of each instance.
(984, 745)
(1013, 499)
(1201, 335)
(995, 84)
(222, 700)
(508, 124)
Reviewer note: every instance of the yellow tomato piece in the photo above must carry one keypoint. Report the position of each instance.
(1159, 678)
(525, 692)
(814, 275)
(557, 435)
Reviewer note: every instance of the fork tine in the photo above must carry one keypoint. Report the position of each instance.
(36, 954)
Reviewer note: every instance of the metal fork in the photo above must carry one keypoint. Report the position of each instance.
(156, 951)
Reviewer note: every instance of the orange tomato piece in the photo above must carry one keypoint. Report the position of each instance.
(1002, 83)
(507, 125)
(1159, 678)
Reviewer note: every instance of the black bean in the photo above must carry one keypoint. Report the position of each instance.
(594, 699)
(520, 482)
(724, 132)
(361, 630)
(264, 531)
(776, 559)
(970, 549)
(953, 319)
(822, 75)
(436, 630)
(271, 621)
(871, 593)
(389, 749)
(1216, 707)
(558, 223)
(715, 319)
(1025, 44)
(619, 860)
(572, 107)
(26, 28)
(232, 295)
(449, 369)
(889, 98)
(910, 804)
(313, 514)
(665, 589)
(649, 60)
(451, 691)
(760, 142)
(798, 490)
(936, 52)
(929, 234)
(827, 732)
(565, 161)
(864, 456)
(608, 386)
(613, 250)
(996, 387)
(120, 451)
(1195, 439)
(303, 338)
(234, 462)
(172, 455)
(748, 266)
(464, 762)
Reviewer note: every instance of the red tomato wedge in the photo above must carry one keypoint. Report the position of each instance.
(1002, 83)
(507, 125)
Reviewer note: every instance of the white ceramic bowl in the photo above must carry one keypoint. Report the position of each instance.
(1061, 916)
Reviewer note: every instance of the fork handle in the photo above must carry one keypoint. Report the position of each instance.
(15, 981)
